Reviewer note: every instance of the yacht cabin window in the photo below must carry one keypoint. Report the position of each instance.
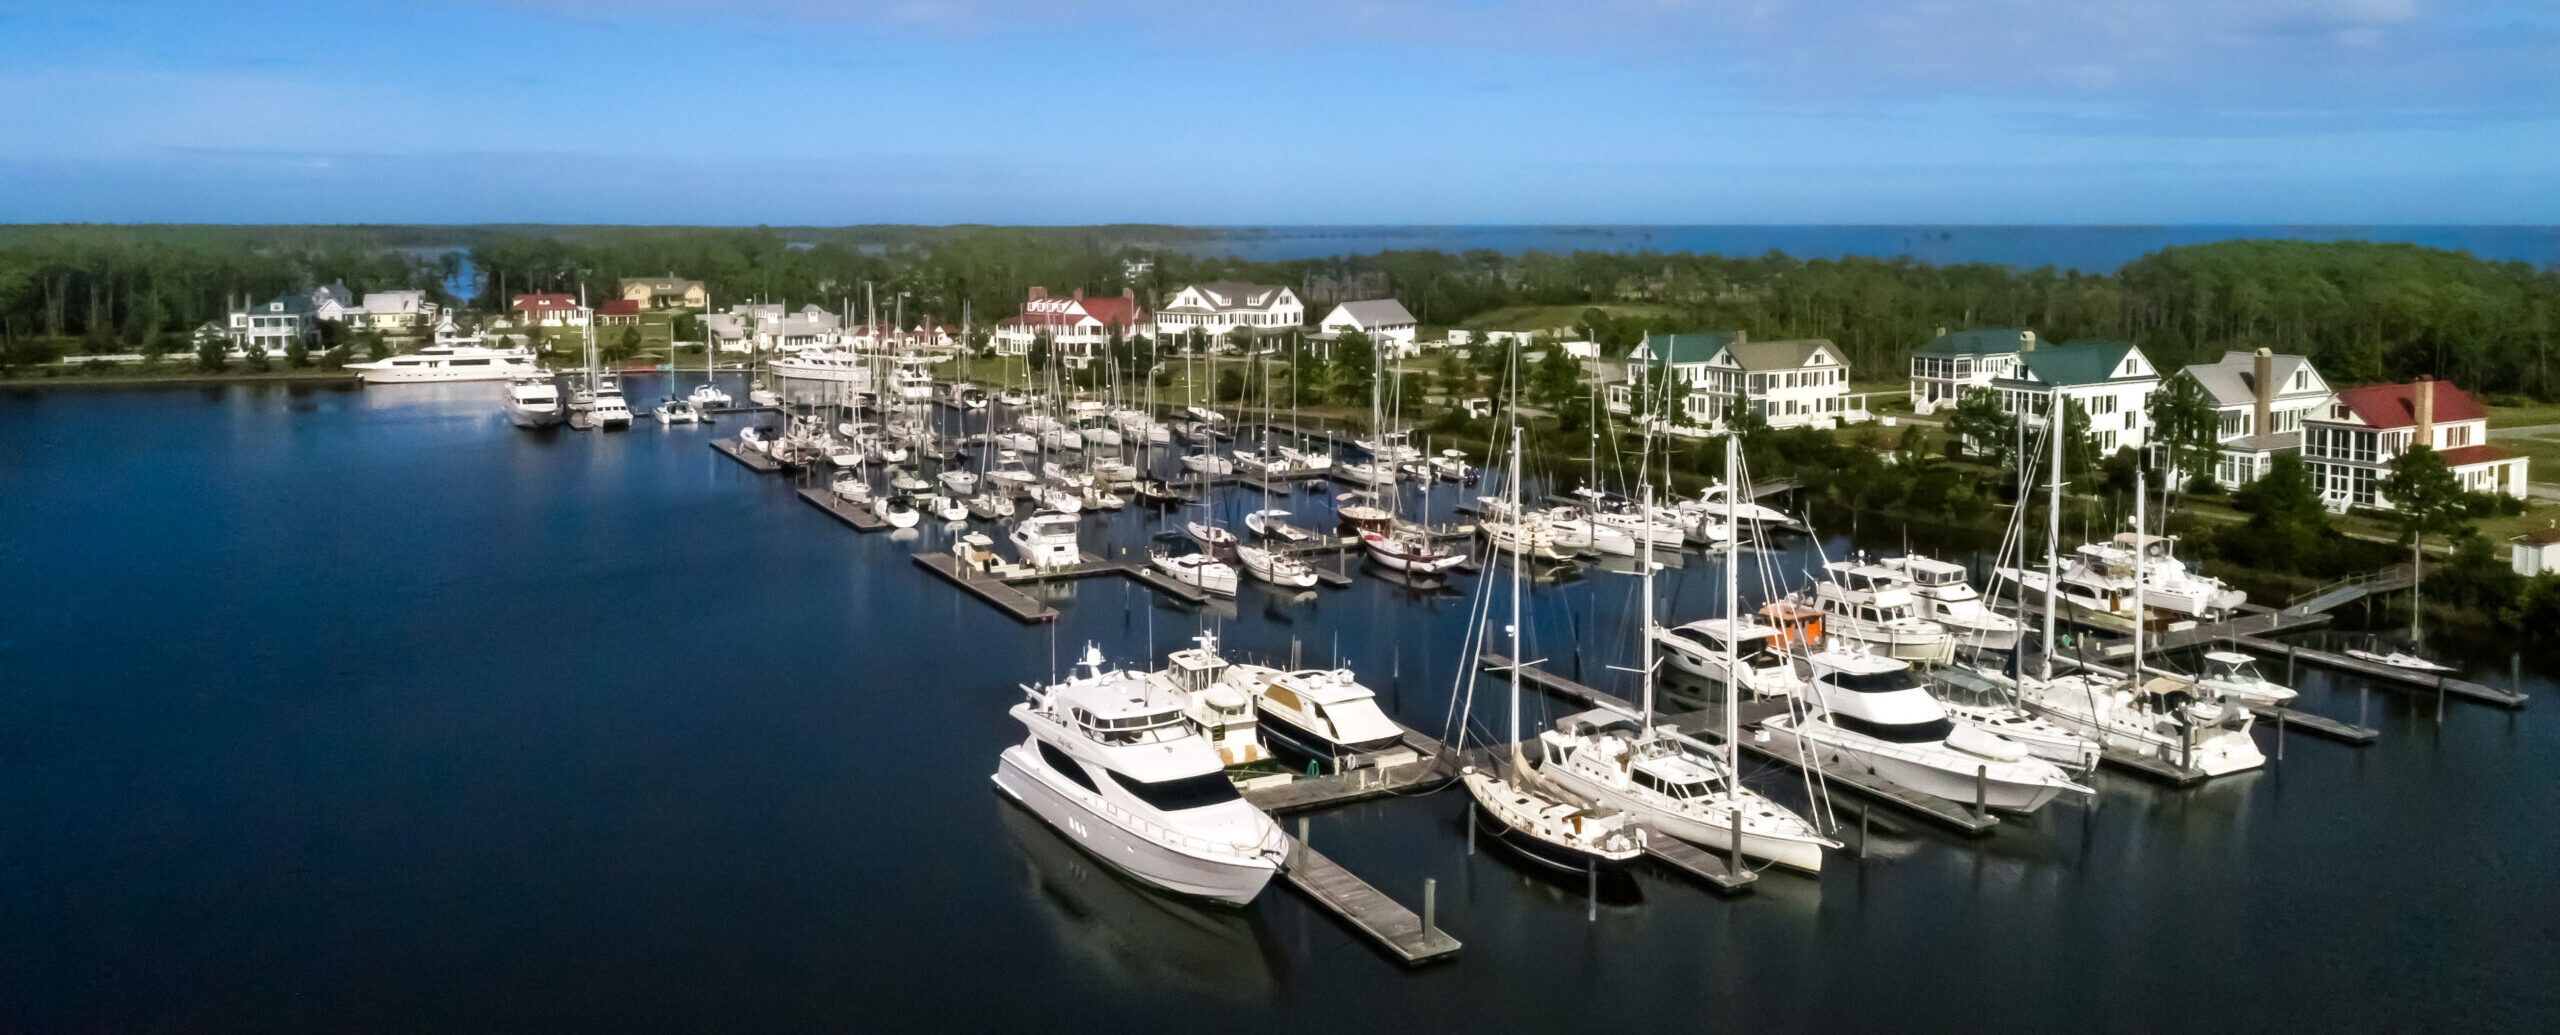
(1175, 795)
(1067, 767)
(1885, 682)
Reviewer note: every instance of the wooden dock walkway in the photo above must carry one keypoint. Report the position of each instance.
(1429, 770)
(755, 461)
(986, 587)
(860, 517)
(1697, 863)
(1369, 911)
(2391, 675)
(2287, 718)
(1708, 725)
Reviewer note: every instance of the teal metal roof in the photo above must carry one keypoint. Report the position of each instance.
(2079, 363)
(1697, 347)
(1977, 343)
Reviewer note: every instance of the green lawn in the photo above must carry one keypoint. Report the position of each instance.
(2524, 416)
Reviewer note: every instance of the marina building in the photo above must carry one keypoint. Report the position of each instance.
(2111, 380)
(1954, 363)
(1384, 320)
(2263, 399)
(2351, 445)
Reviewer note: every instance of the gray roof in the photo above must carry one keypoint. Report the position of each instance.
(1239, 295)
(1376, 312)
(337, 292)
(1779, 355)
(2231, 381)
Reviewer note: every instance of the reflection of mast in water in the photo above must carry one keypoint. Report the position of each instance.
(1136, 936)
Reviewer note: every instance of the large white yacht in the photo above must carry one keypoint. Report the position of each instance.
(456, 362)
(1111, 763)
(533, 401)
(1324, 713)
(836, 366)
(1868, 604)
(2166, 718)
(1947, 599)
(1047, 541)
(1704, 648)
(1870, 712)
(2100, 577)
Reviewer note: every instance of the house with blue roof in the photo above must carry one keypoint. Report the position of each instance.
(2111, 380)
(1954, 363)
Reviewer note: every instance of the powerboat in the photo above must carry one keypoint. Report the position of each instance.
(608, 411)
(943, 508)
(452, 362)
(1706, 648)
(1051, 497)
(1869, 604)
(533, 401)
(1208, 463)
(677, 411)
(1706, 515)
(2166, 718)
(1870, 712)
(960, 480)
(2100, 577)
(2397, 659)
(2233, 675)
(1111, 762)
(1944, 597)
(1324, 713)
(830, 365)
(1218, 698)
(1275, 567)
(990, 506)
(1047, 541)
(894, 509)
(1195, 569)
(707, 396)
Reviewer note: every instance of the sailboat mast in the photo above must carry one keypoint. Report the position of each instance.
(2138, 552)
(2053, 527)
(1518, 560)
(1646, 562)
(1732, 605)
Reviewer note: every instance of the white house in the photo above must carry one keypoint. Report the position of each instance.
(330, 304)
(548, 310)
(2263, 399)
(2111, 380)
(1078, 328)
(1216, 308)
(1952, 364)
(2537, 552)
(2351, 445)
(771, 326)
(1384, 320)
(273, 324)
(395, 311)
(1790, 384)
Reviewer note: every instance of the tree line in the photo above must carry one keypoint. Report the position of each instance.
(2362, 311)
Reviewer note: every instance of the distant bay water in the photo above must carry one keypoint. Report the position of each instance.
(2090, 249)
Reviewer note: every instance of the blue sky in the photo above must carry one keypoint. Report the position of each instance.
(1323, 111)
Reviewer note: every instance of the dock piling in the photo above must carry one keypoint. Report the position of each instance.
(2364, 705)
(1302, 826)
(1591, 891)
(2289, 651)
(2439, 697)
(1430, 905)
(2280, 734)
(1981, 789)
(1733, 860)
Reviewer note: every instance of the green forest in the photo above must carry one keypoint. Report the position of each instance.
(2362, 311)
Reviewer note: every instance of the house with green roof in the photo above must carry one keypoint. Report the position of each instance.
(2111, 380)
(1954, 363)
(1801, 383)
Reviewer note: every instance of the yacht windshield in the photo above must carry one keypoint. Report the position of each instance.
(1874, 682)
(1189, 792)
(1151, 728)
(1897, 733)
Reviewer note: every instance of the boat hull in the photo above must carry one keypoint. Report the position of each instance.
(524, 417)
(1998, 791)
(1793, 853)
(1234, 883)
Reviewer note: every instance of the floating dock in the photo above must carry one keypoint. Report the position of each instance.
(993, 590)
(1430, 769)
(860, 517)
(2286, 718)
(755, 461)
(2390, 674)
(1698, 863)
(1368, 910)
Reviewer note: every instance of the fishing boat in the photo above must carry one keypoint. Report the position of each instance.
(2233, 675)
(1111, 762)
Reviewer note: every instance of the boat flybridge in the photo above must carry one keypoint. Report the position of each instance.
(533, 401)
(1111, 762)
(1218, 698)
(1705, 648)
(1870, 712)
(447, 362)
(1870, 604)
(2102, 576)
(1944, 597)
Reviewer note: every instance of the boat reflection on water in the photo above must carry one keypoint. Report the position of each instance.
(1410, 585)
(1141, 938)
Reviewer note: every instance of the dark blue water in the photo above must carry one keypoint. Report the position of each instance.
(2089, 249)
(328, 709)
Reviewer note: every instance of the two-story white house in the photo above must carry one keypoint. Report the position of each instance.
(1790, 384)
(1384, 320)
(1954, 363)
(1078, 328)
(1216, 308)
(273, 324)
(2111, 380)
(2263, 399)
(2351, 445)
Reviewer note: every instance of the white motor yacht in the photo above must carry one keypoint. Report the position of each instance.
(1208, 463)
(1705, 515)
(1358, 472)
(448, 363)
(2042, 737)
(1868, 604)
(1113, 765)
(2100, 577)
(1947, 599)
(533, 401)
(895, 510)
(2232, 675)
(1870, 712)
(1706, 648)
(1047, 541)
(708, 396)
(1323, 713)
(830, 365)
(1608, 758)
(2166, 718)
(608, 411)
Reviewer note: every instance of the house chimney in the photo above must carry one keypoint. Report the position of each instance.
(2265, 368)
(2026, 341)
(1942, 332)
(1079, 294)
(1038, 292)
(2422, 401)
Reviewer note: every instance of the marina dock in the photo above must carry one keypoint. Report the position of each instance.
(996, 587)
(1698, 863)
(755, 461)
(1354, 783)
(993, 590)
(860, 517)
(2285, 718)
(1369, 911)
(2413, 679)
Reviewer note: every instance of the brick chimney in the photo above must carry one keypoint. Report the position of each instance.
(2422, 403)
(2264, 383)
(1038, 293)
(1079, 296)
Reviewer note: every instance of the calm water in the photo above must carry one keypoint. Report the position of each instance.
(358, 710)
(2091, 249)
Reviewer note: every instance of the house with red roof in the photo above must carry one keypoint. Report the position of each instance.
(618, 312)
(2351, 445)
(549, 310)
(1078, 328)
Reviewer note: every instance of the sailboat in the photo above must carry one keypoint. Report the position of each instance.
(1645, 770)
(1546, 828)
